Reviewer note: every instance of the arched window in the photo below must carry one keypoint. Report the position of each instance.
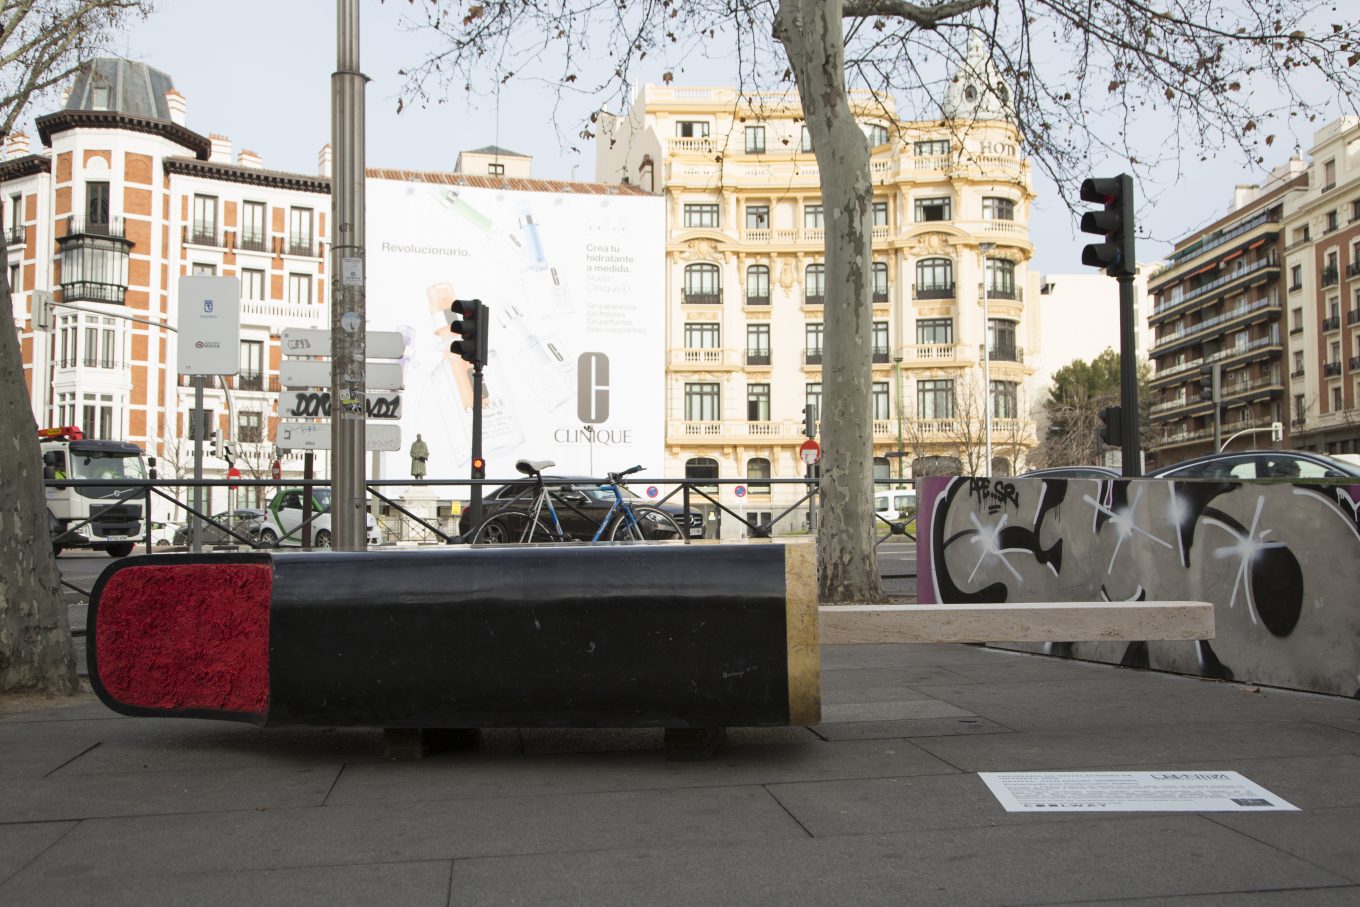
(814, 285)
(703, 284)
(757, 468)
(935, 278)
(701, 468)
(880, 281)
(1001, 278)
(758, 285)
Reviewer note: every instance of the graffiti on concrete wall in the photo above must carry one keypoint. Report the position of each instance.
(1280, 561)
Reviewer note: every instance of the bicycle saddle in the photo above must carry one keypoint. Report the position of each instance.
(533, 467)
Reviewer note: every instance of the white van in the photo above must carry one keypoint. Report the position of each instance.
(895, 504)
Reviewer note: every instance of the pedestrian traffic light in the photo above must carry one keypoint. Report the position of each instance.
(1111, 431)
(478, 468)
(1210, 382)
(1115, 223)
(472, 328)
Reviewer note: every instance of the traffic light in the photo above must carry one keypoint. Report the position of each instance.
(1110, 430)
(810, 421)
(478, 467)
(472, 328)
(1210, 382)
(216, 444)
(1115, 223)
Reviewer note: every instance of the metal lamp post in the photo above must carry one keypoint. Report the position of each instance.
(984, 248)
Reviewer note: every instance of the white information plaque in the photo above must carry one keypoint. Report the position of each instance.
(1187, 791)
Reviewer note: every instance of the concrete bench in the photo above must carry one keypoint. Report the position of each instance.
(1016, 622)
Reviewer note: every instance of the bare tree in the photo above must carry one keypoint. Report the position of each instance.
(42, 44)
(1074, 77)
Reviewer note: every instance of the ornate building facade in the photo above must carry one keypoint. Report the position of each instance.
(746, 286)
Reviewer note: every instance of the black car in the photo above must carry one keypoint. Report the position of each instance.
(1259, 464)
(1071, 472)
(244, 521)
(581, 504)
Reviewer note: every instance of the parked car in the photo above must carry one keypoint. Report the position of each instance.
(163, 532)
(1259, 464)
(284, 515)
(580, 503)
(895, 504)
(1071, 472)
(244, 521)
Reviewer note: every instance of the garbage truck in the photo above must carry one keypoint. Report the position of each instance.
(115, 527)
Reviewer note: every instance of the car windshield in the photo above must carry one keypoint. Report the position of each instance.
(99, 464)
(322, 497)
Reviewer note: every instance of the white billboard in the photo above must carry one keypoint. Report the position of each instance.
(574, 282)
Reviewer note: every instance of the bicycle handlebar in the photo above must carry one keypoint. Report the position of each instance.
(617, 477)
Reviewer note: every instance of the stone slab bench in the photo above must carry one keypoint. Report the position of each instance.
(1016, 622)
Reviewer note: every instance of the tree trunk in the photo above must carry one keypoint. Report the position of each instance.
(811, 33)
(35, 635)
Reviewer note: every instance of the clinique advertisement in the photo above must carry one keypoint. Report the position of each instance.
(574, 284)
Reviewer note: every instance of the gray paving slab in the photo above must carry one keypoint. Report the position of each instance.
(407, 883)
(468, 776)
(33, 750)
(1029, 864)
(1325, 837)
(909, 729)
(841, 693)
(152, 793)
(1149, 745)
(412, 831)
(20, 843)
(1308, 782)
(1347, 896)
(891, 711)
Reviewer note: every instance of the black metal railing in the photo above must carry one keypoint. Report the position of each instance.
(814, 299)
(1331, 323)
(933, 292)
(757, 300)
(249, 382)
(812, 357)
(881, 355)
(89, 291)
(757, 357)
(695, 297)
(14, 236)
(204, 235)
(252, 243)
(84, 226)
(1331, 369)
(1330, 276)
(301, 247)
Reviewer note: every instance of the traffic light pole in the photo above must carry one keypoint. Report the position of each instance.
(1128, 380)
(475, 500)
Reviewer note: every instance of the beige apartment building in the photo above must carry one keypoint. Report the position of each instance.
(746, 282)
(1322, 262)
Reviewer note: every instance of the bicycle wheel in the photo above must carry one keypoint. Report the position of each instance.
(509, 527)
(653, 525)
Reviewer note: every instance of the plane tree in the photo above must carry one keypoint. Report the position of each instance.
(42, 44)
(1126, 84)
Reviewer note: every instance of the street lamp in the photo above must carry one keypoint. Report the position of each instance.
(984, 248)
(897, 371)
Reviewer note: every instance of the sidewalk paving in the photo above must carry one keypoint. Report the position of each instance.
(879, 804)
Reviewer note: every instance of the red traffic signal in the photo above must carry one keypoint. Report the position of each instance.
(472, 328)
(479, 467)
(1115, 223)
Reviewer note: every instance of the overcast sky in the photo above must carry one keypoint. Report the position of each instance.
(258, 71)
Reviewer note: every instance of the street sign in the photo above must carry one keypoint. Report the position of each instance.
(209, 337)
(653, 491)
(317, 436)
(810, 451)
(316, 342)
(317, 373)
(740, 491)
(316, 404)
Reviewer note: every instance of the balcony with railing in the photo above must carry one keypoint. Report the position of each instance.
(1016, 294)
(1260, 307)
(1353, 364)
(758, 358)
(14, 235)
(99, 362)
(1332, 369)
(880, 296)
(1353, 316)
(1218, 239)
(814, 299)
(881, 355)
(684, 429)
(703, 358)
(812, 357)
(202, 233)
(1330, 276)
(252, 242)
(1006, 354)
(1353, 270)
(94, 261)
(301, 246)
(758, 300)
(249, 381)
(1331, 323)
(932, 353)
(1220, 285)
(933, 292)
(701, 297)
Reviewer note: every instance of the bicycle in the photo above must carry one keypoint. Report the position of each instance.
(539, 522)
